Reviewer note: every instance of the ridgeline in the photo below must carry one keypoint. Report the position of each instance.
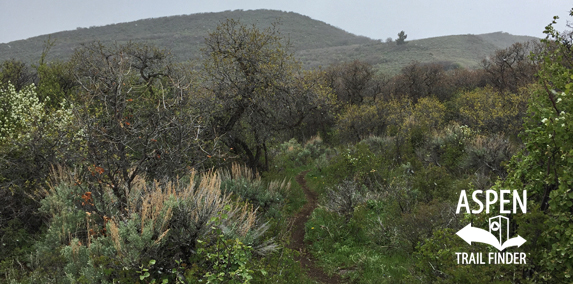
(316, 43)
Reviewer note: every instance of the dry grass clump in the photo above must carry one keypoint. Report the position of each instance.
(203, 200)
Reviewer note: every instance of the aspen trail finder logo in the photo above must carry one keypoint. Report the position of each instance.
(498, 234)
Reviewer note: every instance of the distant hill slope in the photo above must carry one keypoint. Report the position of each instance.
(460, 50)
(184, 35)
(316, 43)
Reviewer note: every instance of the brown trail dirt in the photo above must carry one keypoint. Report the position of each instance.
(306, 260)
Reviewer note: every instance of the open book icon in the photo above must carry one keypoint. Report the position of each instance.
(473, 234)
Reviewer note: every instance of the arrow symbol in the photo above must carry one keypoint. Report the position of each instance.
(472, 234)
(517, 241)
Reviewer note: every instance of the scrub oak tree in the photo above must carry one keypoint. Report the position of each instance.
(257, 89)
(136, 116)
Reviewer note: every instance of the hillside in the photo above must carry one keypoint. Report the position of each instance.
(184, 35)
(460, 50)
(316, 43)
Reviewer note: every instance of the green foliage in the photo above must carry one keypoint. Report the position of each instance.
(268, 198)
(544, 167)
(359, 248)
(32, 138)
(401, 38)
(357, 163)
(15, 72)
(344, 198)
(19, 111)
(96, 247)
(55, 83)
(293, 154)
(447, 147)
(95, 239)
(488, 154)
(223, 260)
(428, 113)
(434, 182)
(228, 261)
(491, 111)
(137, 115)
(256, 89)
(436, 261)
(358, 122)
(397, 151)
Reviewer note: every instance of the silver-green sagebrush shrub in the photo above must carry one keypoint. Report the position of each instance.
(297, 154)
(345, 197)
(267, 197)
(447, 146)
(488, 154)
(99, 239)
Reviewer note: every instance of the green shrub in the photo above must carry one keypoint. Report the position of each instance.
(268, 198)
(344, 198)
(358, 122)
(293, 154)
(363, 248)
(357, 163)
(324, 159)
(222, 260)
(101, 240)
(488, 154)
(383, 146)
(447, 147)
(491, 111)
(434, 182)
(32, 138)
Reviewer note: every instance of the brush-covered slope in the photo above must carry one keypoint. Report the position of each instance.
(456, 50)
(184, 35)
(316, 43)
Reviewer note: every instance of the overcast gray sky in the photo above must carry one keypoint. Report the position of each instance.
(377, 19)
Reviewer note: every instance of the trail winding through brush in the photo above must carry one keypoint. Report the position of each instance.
(307, 261)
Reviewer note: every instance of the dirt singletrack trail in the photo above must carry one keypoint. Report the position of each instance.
(307, 261)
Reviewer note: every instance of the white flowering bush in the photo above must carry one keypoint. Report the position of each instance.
(33, 138)
(22, 113)
(18, 110)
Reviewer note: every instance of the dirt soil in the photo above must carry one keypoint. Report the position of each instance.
(307, 261)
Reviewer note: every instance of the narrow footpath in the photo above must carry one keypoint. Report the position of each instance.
(306, 260)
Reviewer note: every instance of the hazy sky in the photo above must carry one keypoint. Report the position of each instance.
(377, 19)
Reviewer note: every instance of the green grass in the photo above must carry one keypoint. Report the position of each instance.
(296, 198)
(352, 248)
(349, 249)
(282, 263)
